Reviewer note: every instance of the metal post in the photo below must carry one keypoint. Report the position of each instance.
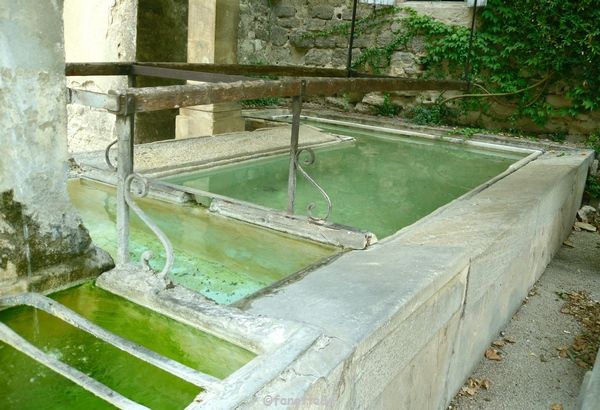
(124, 134)
(296, 110)
(351, 40)
(468, 62)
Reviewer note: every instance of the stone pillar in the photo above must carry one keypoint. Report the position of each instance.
(42, 240)
(97, 31)
(212, 38)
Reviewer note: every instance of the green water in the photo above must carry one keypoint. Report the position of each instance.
(380, 183)
(220, 258)
(25, 384)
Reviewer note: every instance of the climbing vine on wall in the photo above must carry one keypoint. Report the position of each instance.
(521, 50)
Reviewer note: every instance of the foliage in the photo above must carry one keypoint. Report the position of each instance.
(466, 133)
(593, 141)
(387, 108)
(592, 186)
(523, 48)
(558, 136)
(431, 114)
(521, 42)
(262, 102)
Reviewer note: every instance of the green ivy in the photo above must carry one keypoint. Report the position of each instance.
(262, 102)
(523, 47)
(593, 141)
(592, 187)
(431, 114)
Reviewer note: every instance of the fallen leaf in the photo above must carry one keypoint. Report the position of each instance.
(493, 354)
(510, 339)
(569, 244)
(585, 226)
(556, 406)
(499, 343)
(485, 383)
(579, 343)
(470, 390)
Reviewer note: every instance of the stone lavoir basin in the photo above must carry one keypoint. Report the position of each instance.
(380, 183)
(222, 259)
(26, 384)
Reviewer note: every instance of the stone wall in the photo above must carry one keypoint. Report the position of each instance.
(279, 32)
(42, 240)
(282, 32)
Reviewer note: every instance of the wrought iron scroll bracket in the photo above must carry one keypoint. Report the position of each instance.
(107, 159)
(296, 163)
(309, 161)
(142, 185)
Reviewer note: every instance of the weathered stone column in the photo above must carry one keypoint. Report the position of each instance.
(212, 38)
(42, 241)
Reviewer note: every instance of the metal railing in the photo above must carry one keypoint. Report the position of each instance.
(222, 83)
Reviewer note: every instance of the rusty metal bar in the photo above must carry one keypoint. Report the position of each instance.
(296, 110)
(351, 39)
(124, 136)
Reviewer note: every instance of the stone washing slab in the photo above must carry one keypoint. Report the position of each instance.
(171, 156)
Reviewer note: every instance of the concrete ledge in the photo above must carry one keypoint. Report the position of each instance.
(409, 318)
(332, 234)
(589, 398)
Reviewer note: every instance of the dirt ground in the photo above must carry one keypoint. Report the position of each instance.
(540, 358)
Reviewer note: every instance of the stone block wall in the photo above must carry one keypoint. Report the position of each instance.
(279, 32)
(282, 32)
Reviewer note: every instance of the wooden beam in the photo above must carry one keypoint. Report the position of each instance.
(100, 69)
(109, 102)
(257, 70)
(180, 74)
(178, 96)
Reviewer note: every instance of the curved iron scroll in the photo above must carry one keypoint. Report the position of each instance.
(309, 161)
(143, 186)
(107, 156)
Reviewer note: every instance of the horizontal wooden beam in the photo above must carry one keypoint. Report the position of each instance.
(100, 69)
(178, 96)
(257, 70)
(180, 74)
